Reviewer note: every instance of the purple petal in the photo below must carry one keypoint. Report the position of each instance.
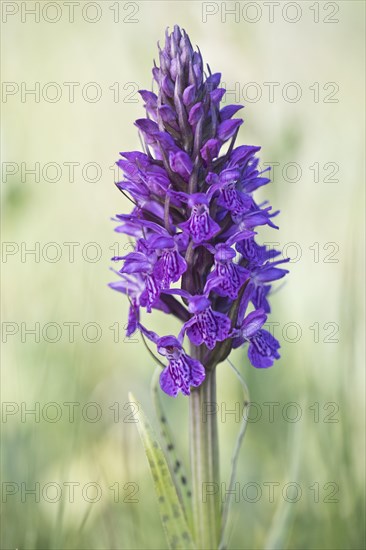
(228, 128)
(224, 325)
(210, 150)
(212, 178)
(168, 86)
(133, 319)
(181, 164)
(209, 327)
(167, 383)
(200, 226)
(161, 241)
(229, 175)
(253, 322)
(262, 350)
(149, 334)
(259, 297)
(269, 274)
(227, 279)
(198, 372)
(198, 303)
(242, 153)
(148, 97)
(147, 126)
(189, 94)
(255, 183)
(194, 334)
(167, 341)
(136, 262)
(169, 268)
(217, 95)
(213, 81)
(167, 114)
(195, 114)
(228, 111)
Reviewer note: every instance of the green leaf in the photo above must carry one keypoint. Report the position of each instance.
(175, 462)
(170, 508)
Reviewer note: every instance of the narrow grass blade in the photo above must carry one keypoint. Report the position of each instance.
(170, 508)
(279, 530)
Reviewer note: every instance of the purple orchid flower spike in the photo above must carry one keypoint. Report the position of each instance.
(194, 223)
(194, 231)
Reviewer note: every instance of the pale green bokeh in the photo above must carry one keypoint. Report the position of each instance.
(309, 373)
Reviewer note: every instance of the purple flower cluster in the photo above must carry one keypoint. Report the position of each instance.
(193, 223)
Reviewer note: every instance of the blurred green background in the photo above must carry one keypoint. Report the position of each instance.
(319, 381)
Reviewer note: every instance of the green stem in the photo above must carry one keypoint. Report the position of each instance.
(204, 452)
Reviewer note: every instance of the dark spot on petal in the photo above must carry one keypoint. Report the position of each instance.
(183, 480)
(170, 447)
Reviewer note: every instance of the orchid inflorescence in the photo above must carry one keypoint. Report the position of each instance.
(193, 221)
